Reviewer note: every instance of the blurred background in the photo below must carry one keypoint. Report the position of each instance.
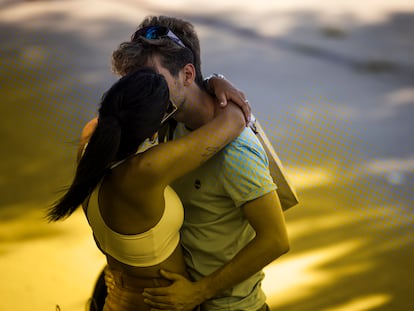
(332, 83)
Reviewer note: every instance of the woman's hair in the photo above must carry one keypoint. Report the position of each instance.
(130, 112)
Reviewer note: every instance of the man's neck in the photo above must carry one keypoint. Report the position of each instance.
(200, 108)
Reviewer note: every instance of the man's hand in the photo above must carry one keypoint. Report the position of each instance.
(225, 92)
(181, 295)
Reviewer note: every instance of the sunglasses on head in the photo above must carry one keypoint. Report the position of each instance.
(171, 109)
(156, 32)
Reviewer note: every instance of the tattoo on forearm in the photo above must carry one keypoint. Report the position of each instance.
(210, 151)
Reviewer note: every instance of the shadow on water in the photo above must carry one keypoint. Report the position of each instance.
(51, 81)
(396, 31)
(382, 63)
(52, 78)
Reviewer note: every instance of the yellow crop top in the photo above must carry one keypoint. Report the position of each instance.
(144, 249)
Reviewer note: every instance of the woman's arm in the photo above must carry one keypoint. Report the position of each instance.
(217, 85)
(173, 159)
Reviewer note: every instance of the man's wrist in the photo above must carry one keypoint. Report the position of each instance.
(205, 291)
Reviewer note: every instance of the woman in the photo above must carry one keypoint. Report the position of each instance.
(122, 182)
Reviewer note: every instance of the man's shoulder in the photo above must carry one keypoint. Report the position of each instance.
(247, 141)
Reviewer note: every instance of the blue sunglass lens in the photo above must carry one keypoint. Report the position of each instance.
(152, 33)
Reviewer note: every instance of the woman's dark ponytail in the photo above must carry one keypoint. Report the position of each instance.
(130, 112)
(100, 152)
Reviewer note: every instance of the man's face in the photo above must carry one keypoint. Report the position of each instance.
(174, 83)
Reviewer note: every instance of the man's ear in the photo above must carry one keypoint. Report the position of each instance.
(189, 74)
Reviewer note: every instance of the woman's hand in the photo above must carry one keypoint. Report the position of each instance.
(225, 92)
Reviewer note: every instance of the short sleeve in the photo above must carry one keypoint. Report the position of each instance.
(245, 170)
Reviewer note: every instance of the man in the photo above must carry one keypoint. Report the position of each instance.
(234, 225)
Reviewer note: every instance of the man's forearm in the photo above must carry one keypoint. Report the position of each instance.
(270, 242)
(252, 258)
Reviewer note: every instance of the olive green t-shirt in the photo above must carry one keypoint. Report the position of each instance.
(215, 228)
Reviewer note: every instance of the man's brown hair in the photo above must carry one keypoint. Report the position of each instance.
(133, 55)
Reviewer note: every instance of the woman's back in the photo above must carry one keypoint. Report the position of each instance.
(139, 234)
(137, 230)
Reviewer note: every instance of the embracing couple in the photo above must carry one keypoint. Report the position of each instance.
(174, 183)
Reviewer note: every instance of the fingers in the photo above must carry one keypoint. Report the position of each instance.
(226, 92)
(155, 291)
(246, 110)
(157, 302)
(171, 275)
(244, 104)
(157, 305)
(109, 279)
(223, 100)
(240, 100)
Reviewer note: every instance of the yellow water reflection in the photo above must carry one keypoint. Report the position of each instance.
(370, 302)
(296, 276)
(310, 177)
(46, 264)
